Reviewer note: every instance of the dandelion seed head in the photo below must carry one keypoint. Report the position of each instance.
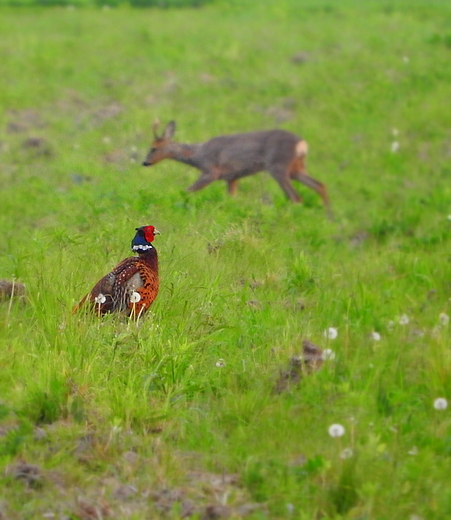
(220, 363)
(444, 319)
(347, 453)
(135, 297)
(394, 146)
(331, 333)
(403, 319)
(440, 403)
(436, 331)
(375, 336)
(328, 354)
(100, 298)
(336, 430)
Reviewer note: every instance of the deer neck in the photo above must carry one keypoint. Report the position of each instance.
(186, 153)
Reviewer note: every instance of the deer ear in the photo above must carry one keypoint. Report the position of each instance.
(155, 126)
(169, 130)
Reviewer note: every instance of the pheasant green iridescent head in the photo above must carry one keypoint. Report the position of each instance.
(143, 239)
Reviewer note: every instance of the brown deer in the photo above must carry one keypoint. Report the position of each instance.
(230, 157)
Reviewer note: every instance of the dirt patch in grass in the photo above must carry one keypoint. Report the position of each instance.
(10, 289)
(30, 474)
(310, 360)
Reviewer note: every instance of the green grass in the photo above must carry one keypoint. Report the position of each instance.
(132, 421)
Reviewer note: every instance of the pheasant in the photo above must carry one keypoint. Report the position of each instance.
(133, 284)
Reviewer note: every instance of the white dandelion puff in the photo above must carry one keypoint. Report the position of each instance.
(106, 140)
(394, 146)
(328, 354)
(347, 453)
(100, 298)
(115, 429)
(336, 430)
(331, 333)
(403, 319)
(440, 403)
(135, 297)
(220, 363)
(449, 217)
(375, 336)
(444, 319)
(436, 331)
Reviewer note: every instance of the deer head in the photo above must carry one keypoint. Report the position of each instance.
(160, 147)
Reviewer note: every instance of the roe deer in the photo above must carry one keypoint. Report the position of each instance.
(230, 157)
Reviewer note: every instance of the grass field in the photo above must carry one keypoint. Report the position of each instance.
(185, 413)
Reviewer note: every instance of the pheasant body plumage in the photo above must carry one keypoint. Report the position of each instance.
(133, 284)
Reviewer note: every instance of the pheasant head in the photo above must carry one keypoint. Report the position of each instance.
(142, 242)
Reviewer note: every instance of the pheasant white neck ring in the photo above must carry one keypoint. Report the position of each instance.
(141, 248)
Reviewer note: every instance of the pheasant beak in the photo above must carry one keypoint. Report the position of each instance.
(156, 232)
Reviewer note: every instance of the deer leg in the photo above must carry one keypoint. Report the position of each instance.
(290, 192)
(317, 186)
(284, 182)
(232, 186)
(202, 181)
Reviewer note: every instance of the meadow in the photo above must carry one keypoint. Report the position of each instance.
(184, 413)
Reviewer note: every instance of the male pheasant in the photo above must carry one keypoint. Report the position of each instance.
(133, 284)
